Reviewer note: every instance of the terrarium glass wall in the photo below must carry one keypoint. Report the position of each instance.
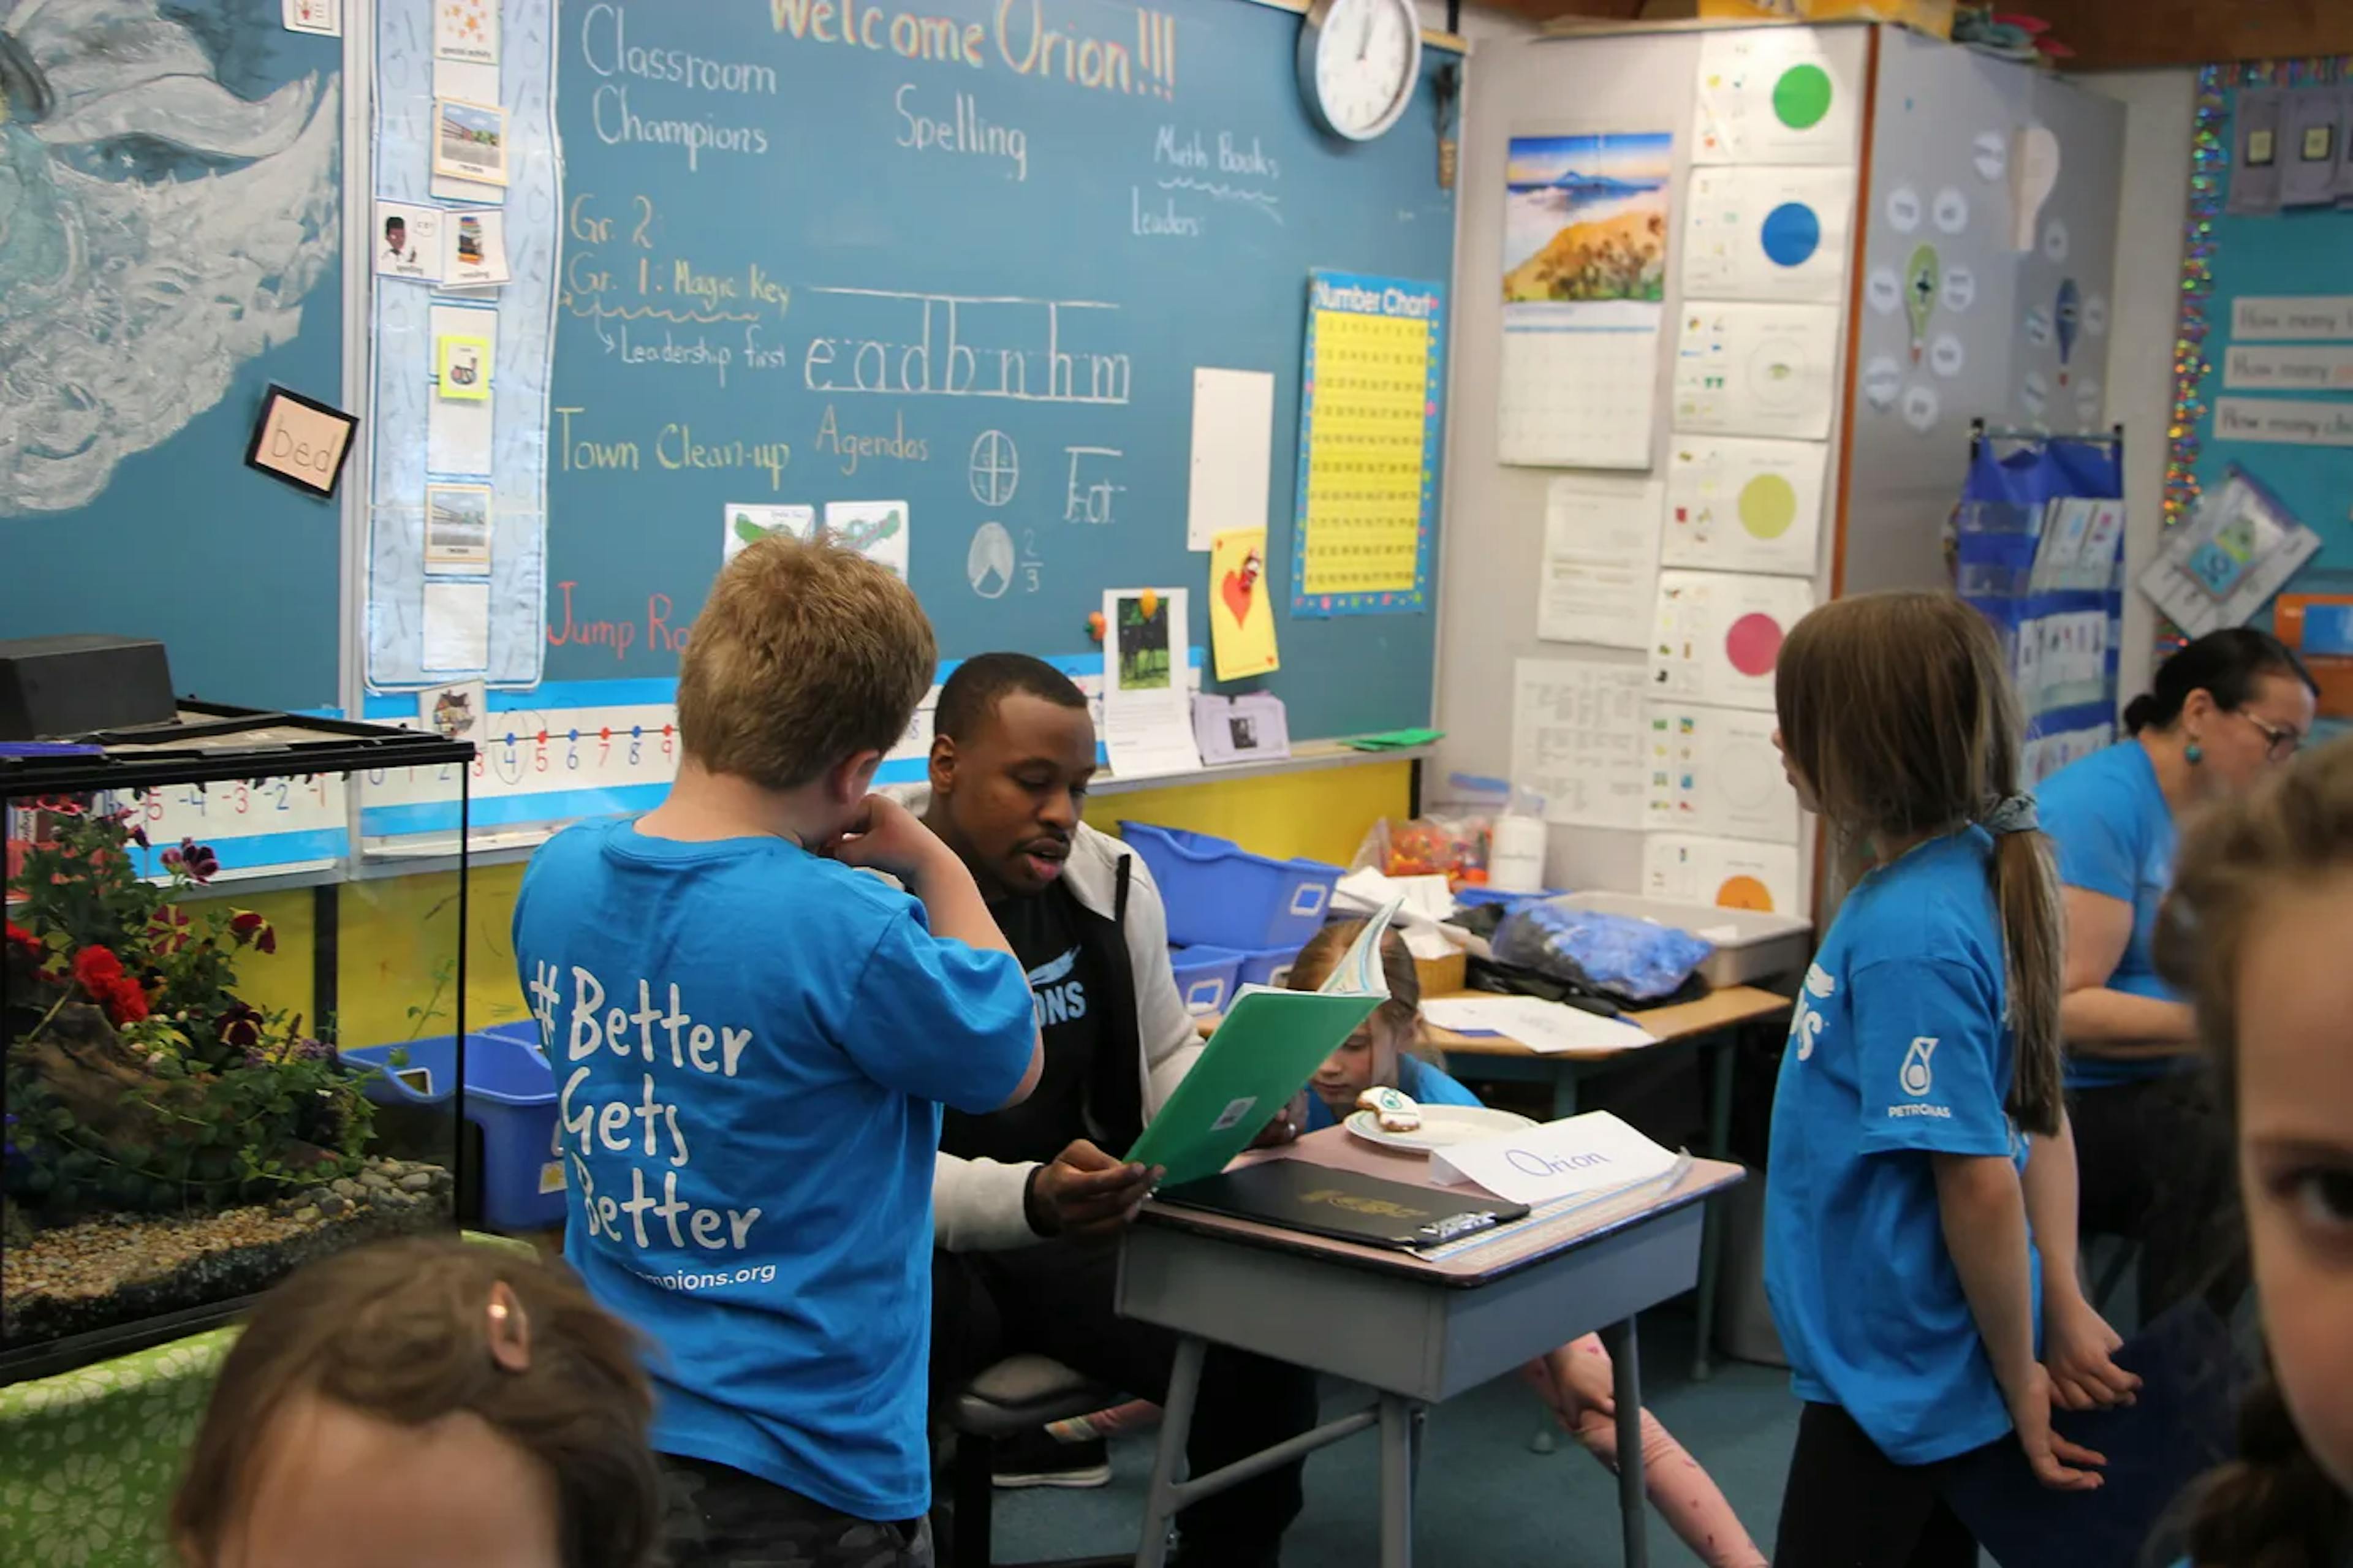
(186, 1118)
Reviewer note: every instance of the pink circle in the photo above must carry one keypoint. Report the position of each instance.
(1752, 644)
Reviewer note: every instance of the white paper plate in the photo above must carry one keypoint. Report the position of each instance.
(1442, 1126)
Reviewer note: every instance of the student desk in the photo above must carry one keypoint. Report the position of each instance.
(1708, 1024)
(1415, 1329)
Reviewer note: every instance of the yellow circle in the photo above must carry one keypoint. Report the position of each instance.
(1768, 505)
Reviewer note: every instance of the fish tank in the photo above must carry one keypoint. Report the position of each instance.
(204, 991)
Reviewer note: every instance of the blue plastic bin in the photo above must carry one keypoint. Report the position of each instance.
(1270, 966)
(1220, 895)
(510, 1098)
(1206, 977)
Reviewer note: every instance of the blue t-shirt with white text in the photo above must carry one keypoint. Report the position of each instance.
(751, 1044)
(2114, 835)
(1898, 1051)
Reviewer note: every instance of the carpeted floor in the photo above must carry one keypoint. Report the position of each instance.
(1485, 1499)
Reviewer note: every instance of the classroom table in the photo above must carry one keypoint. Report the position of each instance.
(1414, 1328)
(1709, 1025)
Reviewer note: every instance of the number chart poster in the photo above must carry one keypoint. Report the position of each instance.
(1368, 434)
(2264, 354)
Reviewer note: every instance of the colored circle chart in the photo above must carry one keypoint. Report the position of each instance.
(1768, 505)
(1740, 891)
(1802, 97)
(1752, 644)
(1791, 234)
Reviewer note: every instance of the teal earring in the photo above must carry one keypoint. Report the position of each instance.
(2193, 754)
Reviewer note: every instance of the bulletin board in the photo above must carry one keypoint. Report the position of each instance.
(172, 246)
(968, 265)
(2270, 416)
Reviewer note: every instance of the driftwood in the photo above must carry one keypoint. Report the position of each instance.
(106, 1085)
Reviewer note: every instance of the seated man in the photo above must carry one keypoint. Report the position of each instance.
(1025, 1199)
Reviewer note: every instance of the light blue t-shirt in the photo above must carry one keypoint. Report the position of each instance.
(751, 1045)
(1417, 1079)
(2113, 835)
(1898, 1051)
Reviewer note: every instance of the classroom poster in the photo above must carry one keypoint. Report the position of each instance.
(1736, 505)
(1584, 270)
(1714, 771)
(1772, 95)
(1241, 613)
(879, 530)
(1729, 873)
(1767, 234)
(1719, 635)
(1368, 431)
(1755, 370)
(1577, 739)
(1599, 579)
(748, 522)
(1146, 711)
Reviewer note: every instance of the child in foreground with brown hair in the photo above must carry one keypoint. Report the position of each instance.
(424, 1401)
(2258, 930)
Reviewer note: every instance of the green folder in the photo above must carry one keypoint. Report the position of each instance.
(1268, 1045)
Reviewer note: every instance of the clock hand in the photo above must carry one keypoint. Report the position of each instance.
(1365, 36)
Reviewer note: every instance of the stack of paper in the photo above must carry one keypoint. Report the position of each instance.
(1542, 1026)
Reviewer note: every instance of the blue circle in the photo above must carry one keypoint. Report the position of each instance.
(1791, 234)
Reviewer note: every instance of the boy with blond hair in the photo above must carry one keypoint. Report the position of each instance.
(752, 1042)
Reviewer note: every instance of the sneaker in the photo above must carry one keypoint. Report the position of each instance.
(1034, 1459)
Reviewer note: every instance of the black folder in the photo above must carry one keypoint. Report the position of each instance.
(1298, 1195)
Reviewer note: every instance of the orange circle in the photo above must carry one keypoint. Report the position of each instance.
(1744, 893)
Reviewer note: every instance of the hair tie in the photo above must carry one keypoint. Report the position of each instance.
(2015, 813)
(509, 1329)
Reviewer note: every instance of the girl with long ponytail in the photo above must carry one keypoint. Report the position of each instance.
(1920, 1197)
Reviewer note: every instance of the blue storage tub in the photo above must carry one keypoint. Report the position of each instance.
(1270, 966)
(510, 1098)
(1206, 977)
(1220, 895)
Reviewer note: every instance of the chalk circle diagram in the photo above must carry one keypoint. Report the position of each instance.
(1742, 892)
(1767, 505)
(995, 469)
(988, 565)
(1802, 97)
(1903, 209)
(1945, 355)
(1777, 373)
(1960, 290)
(1951, 211)
(1752, 644)
(1791, 233)
(1990, 151)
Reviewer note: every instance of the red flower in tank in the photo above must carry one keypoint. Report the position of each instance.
(100, 974)
(19, 937)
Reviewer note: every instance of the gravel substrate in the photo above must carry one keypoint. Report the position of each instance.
(104, 1273)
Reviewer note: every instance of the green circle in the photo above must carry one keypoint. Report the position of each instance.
(1768, 505)
(1802, 97)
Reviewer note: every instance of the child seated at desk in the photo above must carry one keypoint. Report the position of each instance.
(1574, 1381)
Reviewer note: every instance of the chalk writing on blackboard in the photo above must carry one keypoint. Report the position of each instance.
(961, 345)
(964, 131)
(1022, 39)
(1089, 498)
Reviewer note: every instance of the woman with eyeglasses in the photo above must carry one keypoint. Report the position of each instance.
(2153, 1149)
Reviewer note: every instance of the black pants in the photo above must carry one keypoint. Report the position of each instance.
(715, 1517)
(1847, 1505)
(2155, 1163)
(1055, 1300)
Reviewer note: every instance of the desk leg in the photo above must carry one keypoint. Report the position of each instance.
(1725, 1054)
(1626, 1365)
(1400, 1442)
(1176, 1429)
(1563, 1091)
